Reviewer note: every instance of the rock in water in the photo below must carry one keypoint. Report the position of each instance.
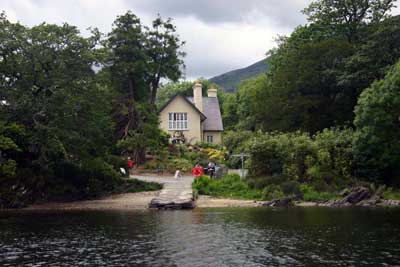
(282, 202)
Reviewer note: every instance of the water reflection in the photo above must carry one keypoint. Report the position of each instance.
(205, 237)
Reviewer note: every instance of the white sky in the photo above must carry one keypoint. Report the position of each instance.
(220, 35)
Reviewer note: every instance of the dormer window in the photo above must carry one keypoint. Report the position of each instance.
(177, 121)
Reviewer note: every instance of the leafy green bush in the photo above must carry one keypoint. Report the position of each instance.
(208, 145)
(92, 178)
(197, 157)
(117, 162)
(181, 164)
(333, 162)
(234, 141)
(153, 166)
(267, 154)
(273, 192)
(323, 159)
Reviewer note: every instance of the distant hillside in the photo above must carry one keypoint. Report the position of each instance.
(230, 80)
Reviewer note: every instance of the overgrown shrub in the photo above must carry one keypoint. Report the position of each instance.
(273, 192)
(325, 158)
(117, 162)
(92, 178)
(208, 145)
(216, 155)
(235, 140)
(181, 164)
(333, 161)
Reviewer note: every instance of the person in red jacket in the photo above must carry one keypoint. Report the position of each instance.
(130, 165)
(197, 171)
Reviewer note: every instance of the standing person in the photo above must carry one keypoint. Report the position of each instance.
(211, 169)
(130, 165)
(197, 171)
(178, 174)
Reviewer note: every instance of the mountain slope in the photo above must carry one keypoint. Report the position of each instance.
(230, 81)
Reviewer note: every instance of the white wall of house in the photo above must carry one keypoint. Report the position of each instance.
(193, 133)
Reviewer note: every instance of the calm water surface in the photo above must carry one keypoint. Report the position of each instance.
(203, 237)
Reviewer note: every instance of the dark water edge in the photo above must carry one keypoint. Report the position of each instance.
(312, 236)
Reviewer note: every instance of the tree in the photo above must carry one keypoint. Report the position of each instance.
(305, 92)
(48, 89)
(348, 16)
(139, 57)
(252, 97)
(229, 110)
(379, 50)
(162, 47)
(377, 137)
(127, 66)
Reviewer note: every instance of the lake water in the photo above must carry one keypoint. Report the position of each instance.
(202, 237)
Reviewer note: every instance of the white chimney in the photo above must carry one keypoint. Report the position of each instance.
(198, 96)
(212, 92)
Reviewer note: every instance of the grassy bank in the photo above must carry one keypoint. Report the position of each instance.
(231, 186)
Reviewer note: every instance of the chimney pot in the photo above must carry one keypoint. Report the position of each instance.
(212, 92)
(198, 96)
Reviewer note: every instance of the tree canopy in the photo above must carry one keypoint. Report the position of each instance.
(62, 124)
(377, 139)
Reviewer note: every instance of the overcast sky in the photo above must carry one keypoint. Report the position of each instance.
(220, 35)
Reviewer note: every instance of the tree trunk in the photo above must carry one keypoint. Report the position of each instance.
(154, 88)
(131, 108)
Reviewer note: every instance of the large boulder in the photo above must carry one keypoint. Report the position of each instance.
(360, 195)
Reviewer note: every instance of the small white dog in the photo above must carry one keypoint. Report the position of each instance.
(178, 174)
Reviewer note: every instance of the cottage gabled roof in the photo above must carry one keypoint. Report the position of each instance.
(202, 115)
(213, 113)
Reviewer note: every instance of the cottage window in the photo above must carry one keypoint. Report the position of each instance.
(177, 121)
(210, 138)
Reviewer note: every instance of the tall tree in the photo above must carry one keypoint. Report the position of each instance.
(127, 65)
(377, 137)
(139, 57)
(165, 58)
(348, 16)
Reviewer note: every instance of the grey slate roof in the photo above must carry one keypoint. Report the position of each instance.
(212, 111)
